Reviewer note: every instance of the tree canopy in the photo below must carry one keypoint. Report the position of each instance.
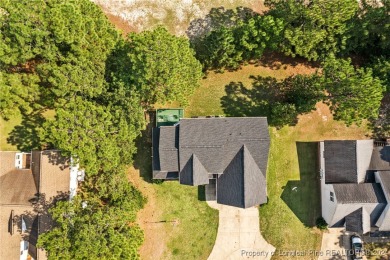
(161, 66)
(51, 51)
(353, 94)
(313, 29)
(235, 36)
(54, 55)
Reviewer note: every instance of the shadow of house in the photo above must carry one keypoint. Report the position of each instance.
(303, 196)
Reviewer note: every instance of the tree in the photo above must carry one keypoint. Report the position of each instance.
(257, 34)
(161, 67)
(217, 50)
(86, 228)
(313, 29)
(370, 29)
(52, 50)
(233, 37)
(101, 137)
(381, 69)
(353, 94)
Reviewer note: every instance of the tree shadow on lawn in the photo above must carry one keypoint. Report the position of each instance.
(25, 136)
(303, 196)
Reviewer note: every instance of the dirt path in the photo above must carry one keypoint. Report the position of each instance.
(155, 242)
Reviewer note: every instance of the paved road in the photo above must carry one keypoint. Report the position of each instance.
(239, 235)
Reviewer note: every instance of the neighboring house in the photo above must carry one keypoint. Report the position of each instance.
(355, 184)
(227, 155)
(29, 182)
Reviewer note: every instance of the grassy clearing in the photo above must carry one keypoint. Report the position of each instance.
(6, 126)
(207, 98)
(20, 133)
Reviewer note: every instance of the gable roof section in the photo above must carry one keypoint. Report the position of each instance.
(383, 222)
(359, 193)
(194, 173)
(380, 159)
(216, 141)
(168, 148)
(358, 221)
(17, 186)
(165, 152)
(340, 161)
(384, 178)
(242, 184)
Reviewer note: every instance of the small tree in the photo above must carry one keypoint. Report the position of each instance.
(321, 223)
(162, 67)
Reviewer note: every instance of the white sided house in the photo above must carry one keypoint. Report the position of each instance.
(355, 184)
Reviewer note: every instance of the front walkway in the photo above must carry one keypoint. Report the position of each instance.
(239, 234)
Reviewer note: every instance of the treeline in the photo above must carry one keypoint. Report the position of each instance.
(65, 56)
(329, 32)
(314, 30)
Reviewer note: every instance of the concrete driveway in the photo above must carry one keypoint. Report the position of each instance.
(239, 235)
(336, 244)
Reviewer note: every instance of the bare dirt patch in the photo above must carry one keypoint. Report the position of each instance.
(155, 239)
(176, 15)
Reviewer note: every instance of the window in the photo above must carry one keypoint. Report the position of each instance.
(332, 196)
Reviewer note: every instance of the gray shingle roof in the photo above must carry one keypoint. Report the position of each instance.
(194, 166)
(380, 159)
(359, 193)
(165, 152)
(168, 148)
(217, 140)
(234, 148)
(358, 221)
(385, 178)
(242, 184)
(340, 161)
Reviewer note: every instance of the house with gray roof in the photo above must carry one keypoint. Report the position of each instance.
(355, 184)
(227, 155)
(31, 181)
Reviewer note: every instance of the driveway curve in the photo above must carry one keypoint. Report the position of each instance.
(239, 235)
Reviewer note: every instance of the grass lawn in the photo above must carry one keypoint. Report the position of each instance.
(5, 129)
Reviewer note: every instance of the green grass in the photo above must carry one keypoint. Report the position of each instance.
(206, 99)
(195, 232)
(19, 133)
(6, 126)
(294, 204)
